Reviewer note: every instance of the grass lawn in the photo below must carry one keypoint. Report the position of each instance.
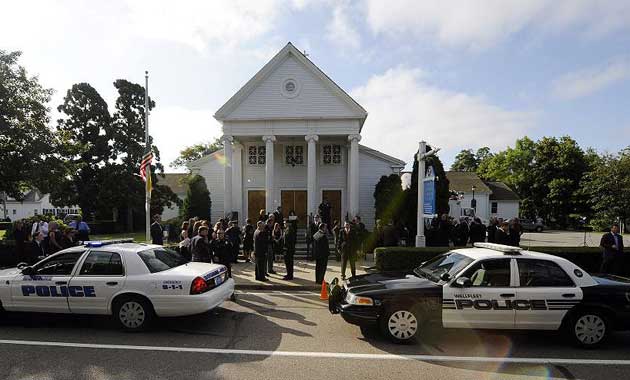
(2, 233)
(137, 236)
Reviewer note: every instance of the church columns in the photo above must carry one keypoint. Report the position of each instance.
(227, 174)
(311, 174)
(353, 175)
(269, 169)
(237, 180)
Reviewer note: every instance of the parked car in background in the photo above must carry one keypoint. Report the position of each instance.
(532, 225)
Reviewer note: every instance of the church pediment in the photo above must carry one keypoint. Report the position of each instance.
(290, 86)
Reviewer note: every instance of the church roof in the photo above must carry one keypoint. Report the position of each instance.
(223, 113)
(464, 181)
(501, 192)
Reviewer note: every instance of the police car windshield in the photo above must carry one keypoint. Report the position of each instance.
(161, 259)
(450, 263)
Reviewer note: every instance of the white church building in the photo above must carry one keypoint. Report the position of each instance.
(292, 138)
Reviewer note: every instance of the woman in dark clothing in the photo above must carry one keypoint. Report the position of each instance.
(277, 241)
(516, 230)
(67, 240)
(248, 240)
(19, 234)
(54, 238)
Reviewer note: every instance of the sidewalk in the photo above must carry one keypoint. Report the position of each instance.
(303, 275)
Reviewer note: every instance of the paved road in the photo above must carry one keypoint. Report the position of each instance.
(285, 336)
(564, 239)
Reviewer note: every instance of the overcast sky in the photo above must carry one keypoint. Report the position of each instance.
(458, 74)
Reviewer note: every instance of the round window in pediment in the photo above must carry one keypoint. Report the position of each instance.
(290, 88)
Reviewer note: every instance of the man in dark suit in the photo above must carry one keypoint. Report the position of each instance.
(290, 238)
(200, 247)
(261, 241)
(157, 231)
(222, 251)
(321, 251)
(38, 249)
(501, 235)
(612, 255)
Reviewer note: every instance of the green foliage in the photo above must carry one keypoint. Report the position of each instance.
(388, 198)
(410, 206)
(467, 161)
(27, 144)
(607, 188)
(197, 202)
(195, 152)
(406, 258)
(85, 130)
(546, 174)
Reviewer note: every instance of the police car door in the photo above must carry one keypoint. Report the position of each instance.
(46, 290)
(550, 293)
(101, 276)
(483, 303)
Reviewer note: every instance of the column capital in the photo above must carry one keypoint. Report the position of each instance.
(269, 138)
(313, 138)
(227, 138)
(355, 137)
(237, 145)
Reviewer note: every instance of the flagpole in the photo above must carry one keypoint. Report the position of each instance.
(147, 202)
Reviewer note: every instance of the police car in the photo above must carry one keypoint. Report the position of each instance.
(489, 286)
(132, 282)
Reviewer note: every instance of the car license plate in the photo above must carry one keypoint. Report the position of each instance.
(218, 280)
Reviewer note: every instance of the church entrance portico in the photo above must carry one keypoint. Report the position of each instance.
(294, 200)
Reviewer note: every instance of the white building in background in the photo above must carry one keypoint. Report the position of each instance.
(291, 139)
(34, 203)
(494, 199)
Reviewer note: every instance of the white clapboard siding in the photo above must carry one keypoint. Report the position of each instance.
(314, 100)
(370, 171)
(213, 172)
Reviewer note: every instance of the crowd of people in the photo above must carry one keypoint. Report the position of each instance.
(270, 238)
(447, 231)
(40, 238)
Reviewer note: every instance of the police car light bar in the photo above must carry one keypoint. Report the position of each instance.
(100, 243)
(507, 249)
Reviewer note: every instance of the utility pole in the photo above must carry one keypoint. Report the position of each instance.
(422, 156)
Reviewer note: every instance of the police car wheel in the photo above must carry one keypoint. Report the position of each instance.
(401, 325)
(133, 314)
(589, 328)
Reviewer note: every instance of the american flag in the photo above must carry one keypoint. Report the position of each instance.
(146, 161)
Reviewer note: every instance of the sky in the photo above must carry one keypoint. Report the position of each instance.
(457, 74)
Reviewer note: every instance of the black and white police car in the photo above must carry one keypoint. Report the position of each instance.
(133, 282)
(489, 286)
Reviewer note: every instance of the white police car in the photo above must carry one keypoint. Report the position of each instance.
(490, 286)
(132, 282)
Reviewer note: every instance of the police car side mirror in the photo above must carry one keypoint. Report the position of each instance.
(28, 271)
(463, 282)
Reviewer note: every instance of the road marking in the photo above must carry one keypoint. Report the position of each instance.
(329, 355)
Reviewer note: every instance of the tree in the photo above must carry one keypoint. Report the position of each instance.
(195, 152)
(467, 161)
(545, 174)
(607, 186)
(84, 130)
(410, 208)
(388, 198)
(26, 142)
(197, 202)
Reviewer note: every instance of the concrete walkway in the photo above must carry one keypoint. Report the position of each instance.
(303, 275)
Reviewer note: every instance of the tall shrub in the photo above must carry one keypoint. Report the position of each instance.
(197, 202)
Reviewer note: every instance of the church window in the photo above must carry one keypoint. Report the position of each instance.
(256, 154)
(331, 154)
(294, 155)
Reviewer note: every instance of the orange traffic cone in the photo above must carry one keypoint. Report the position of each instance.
(324, 294)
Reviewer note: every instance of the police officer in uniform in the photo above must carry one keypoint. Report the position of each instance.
(157, 231)
(222, 251)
